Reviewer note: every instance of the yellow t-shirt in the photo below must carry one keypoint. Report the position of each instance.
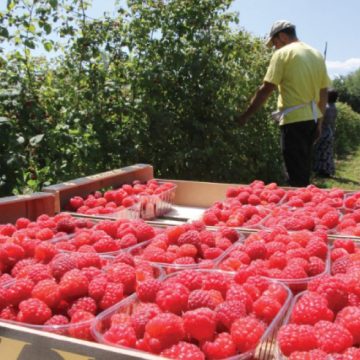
(299, 71)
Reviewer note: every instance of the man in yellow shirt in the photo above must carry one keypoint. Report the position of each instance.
(299, 73)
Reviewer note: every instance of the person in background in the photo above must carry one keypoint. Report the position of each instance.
(299, 73)
(324, 165)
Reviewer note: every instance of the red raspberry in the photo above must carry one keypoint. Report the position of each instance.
(346, 244)
(147, 290)
(212, 253)
(256, 250)
(105, 244)
(33, 311)
(310, 309)
(229, 311)
(173, 298)
(45, 251)
(330, 219)
(141, 317)
(127, 241)
(222, 347)
(200, 298)
(57, 320)
(316, 266)
(7, 229)
(230, 234)
(91, 272)
(76, 202)
(163, 331)
(8, 313)
(125, 258)
(216, 281)
(45, 234)
(66, 225)
(85, 303)
(121, 334)
(22, 223)
(317, 248)
(332, 338)
(80, 325)
(12, 252)
(349, 317)
(266, 308)
(97, 287)
(21, 264)
(246, 333)
(124, 274)
(114, 293)
(189, 237)
(200, 324)
(191, 279)
(334, 290)
(144, 231)
(73, 284)
(47, 291)
(238, 293)
(61, 264)
(338, 253)
(293, 337)
(18, 291)
(210, 218)
(36, 272)
(183, 350)
(308, 355)
(85, 260)
(340, 266)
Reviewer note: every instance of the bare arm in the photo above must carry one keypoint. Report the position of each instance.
(322, 105)
(260, 97)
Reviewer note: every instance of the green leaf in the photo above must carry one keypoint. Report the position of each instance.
(48, 45)
(29, 43)
(36, 139)
(53, 3)
(47, 28)
(4, 32)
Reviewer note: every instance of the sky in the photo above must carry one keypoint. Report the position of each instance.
(317, 22)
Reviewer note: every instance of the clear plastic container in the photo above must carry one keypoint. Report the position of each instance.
(296, 285)
(156, 205)
(138, 250)
(263, 351)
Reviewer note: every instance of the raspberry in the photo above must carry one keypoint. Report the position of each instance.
(97, 287)
(18, 291)
(61, 264)
(45, 251)
(246, 333)
(22, 223)
(36, 272)
(76, 202)
(141, 317)
(330, 219)
(266, 308)
(238, 293)
(317, 248)
(293, 337)
(256, 250)
(200, 298)
(8, 313)
(121, 334)
(230, 234)
(85, 303)
(66, 225)
(173, 298)
(349, 317)
(189, 237)
(127, 241)
(228, 311)
(210, 218)
(122, 274)
(334, 290)
(57, 320)
(146, 290)
(114, 293)
(105, 244)
(48, 292)
(216, 281)
(183, 350)
(222, 347)
(191, 279)
(200, 324)
(308, 355)
(33, 311)
(73, 284)
(163, 331)
(310, 309)
(21, 264)
(316, 266)
(80, 325)
(144, 231)
(340, 266)
(346, 244)
(125, 258)
(45, 234)
(85, 260)
(332, 338)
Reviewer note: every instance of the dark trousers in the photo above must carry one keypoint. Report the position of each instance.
(296, 144)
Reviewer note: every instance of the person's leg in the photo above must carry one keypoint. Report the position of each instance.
(297, 142)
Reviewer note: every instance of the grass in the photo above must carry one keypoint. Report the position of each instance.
(347, 175)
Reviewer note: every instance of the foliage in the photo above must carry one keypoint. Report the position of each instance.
(347, 130)
(349, 89)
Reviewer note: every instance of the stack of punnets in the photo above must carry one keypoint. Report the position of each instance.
(266, 272)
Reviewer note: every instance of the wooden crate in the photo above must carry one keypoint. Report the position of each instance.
(29, 206)
(84, 186)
